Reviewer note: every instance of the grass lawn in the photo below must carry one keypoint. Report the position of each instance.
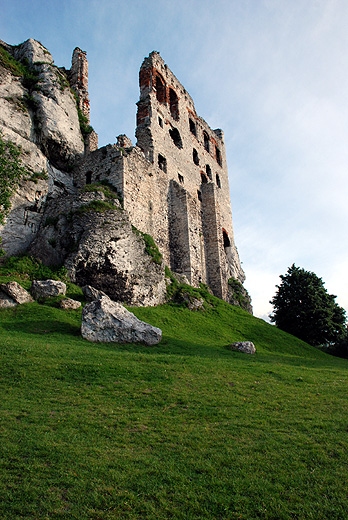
(185, 430)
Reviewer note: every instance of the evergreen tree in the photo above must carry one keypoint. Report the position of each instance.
(303, 307)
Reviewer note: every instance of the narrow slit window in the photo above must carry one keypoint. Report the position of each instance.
(193, 129)
(227, 242)
(218, 156)
(160, 121)
(204, 178)
(173, 104)
(162, 163)
(206, 141)
(195, 157)
(208, 171)
(160, 89)
(218, 182)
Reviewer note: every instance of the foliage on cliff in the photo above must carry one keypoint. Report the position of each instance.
(11, 171)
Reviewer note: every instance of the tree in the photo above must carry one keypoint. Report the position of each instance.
(303, 307)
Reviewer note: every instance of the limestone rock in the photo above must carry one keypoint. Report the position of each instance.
(15, 291)
(6, 301)
(107, 321)
(91, 294)
(47, 288)
(247, 347)
(69, 304)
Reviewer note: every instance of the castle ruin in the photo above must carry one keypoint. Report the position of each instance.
(174, 182)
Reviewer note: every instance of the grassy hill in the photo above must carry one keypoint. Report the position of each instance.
(185, 430)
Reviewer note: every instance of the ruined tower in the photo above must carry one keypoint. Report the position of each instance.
(191, 157)
(174, 183)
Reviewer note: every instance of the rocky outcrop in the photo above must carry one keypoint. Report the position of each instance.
(38, 113)
(107, 321)
(99, 248)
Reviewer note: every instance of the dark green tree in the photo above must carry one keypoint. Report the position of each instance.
(303, 307)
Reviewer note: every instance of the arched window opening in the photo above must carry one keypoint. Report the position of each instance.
(162, 163)
(175, 135)
(89, 178)
(195, 157)
(208, 171)
(227, 242)
(206, 141)
(181, 178)
(199, 195)
(204, 178)
(160, 89)
(218, 156)
(173, 104)
(218, 182)
(193, 129)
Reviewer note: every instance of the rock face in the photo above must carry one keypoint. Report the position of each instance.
(106, 321)
(47, 288)
(244, 346)
(101, 249)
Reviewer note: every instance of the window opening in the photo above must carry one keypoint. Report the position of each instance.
(193, 127)
(199, 195)
(218, 156)
(181, 178)
(206, 141)
(88, 177)
(204, 178)
(208, 171)
(195, 157)
(173, 104)
(227, 242)
(160, 121)
(160, 89)
(162, 163)
(175, 135)
(218, 182)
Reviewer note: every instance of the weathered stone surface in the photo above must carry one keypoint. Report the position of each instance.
(69, 304)
(6, 301)
(16, 292)
(47, 288)
(247, 347)
(107, 321)
(91, 294)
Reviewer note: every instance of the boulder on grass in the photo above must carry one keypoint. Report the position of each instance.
(16, 292)
(69, 304)
(47, 288)
(247, 347)
(107, 321)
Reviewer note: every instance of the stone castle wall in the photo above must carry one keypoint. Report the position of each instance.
(174, 183)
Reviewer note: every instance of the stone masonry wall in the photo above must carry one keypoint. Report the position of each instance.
(174, 182)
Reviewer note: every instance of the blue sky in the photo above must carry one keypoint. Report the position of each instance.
(271, 73)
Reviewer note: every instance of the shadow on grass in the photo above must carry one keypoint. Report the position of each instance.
(42, 327)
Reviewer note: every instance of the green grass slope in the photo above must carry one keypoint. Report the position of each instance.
(185, 430)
